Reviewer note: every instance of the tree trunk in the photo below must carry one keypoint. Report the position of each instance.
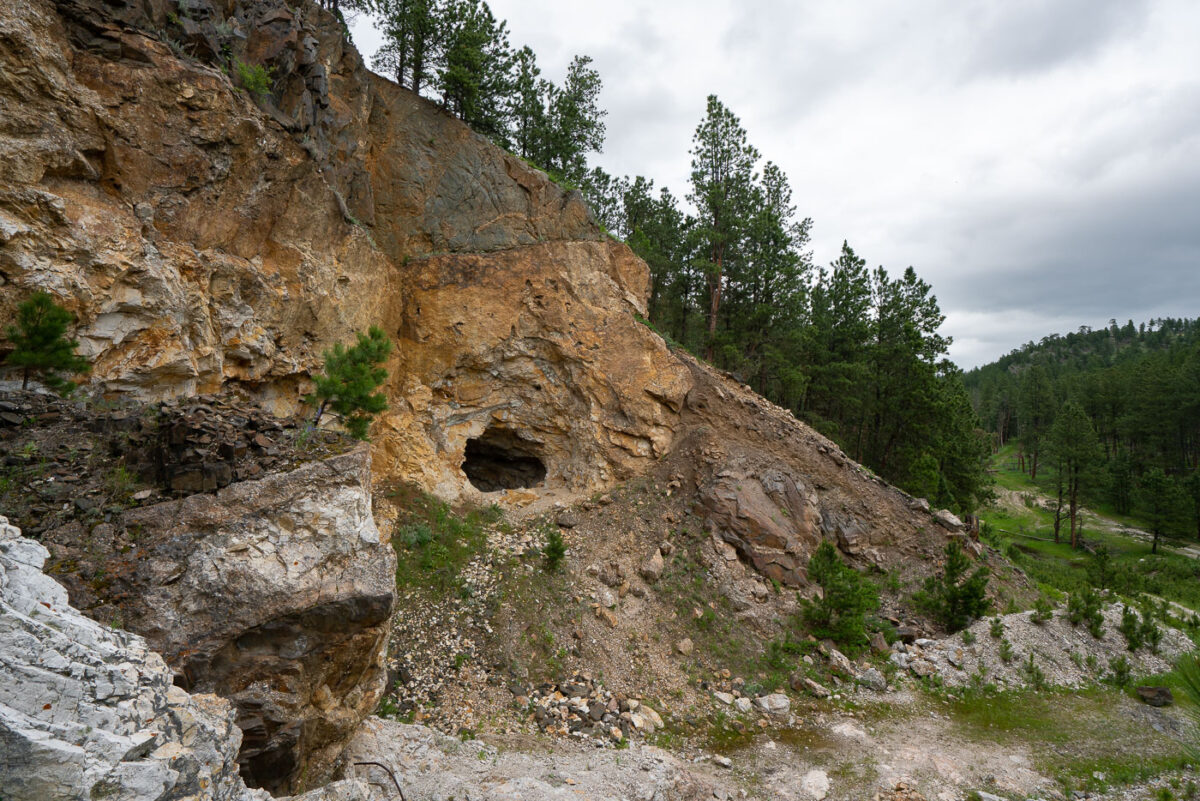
(1074, 514)
(714, 306)
(1058, 507)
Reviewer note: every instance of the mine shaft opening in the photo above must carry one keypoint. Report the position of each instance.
(499, 459)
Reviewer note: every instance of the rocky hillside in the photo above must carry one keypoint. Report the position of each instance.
(209, 239)
(212, 240)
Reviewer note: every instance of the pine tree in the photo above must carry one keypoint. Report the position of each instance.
(351, 376)
(722, 192)
(576, 121)
(1036, 413)
(40, 344)
(1076, 452)
(955, 598)
(846, 598)
(414, 39)
(475, 79)
(1160, 500)
(527, 108)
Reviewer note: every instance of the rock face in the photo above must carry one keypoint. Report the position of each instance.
(276, 594)
(535, 351)
(205, 239)
(88, 712)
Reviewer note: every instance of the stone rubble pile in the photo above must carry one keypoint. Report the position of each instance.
(80, 460)
(581, 707)
(433, 639)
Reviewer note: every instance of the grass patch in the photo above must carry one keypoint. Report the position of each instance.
(1071, 734)
(1025, 535)
(433, 543)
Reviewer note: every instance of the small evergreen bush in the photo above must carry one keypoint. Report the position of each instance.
(1131, 628)
(40, 344)
(1120, 671)
(349, 381)
(955, 599)
(554, 550)
(846, 599)
(254, 78)
(1043, 610)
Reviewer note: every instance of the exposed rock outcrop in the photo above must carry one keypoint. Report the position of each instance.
(275, 593)
(89, 712)
(204, 240)
(539, 342)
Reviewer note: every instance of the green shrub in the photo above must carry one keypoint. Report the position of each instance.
(40, 344)
(1033, 673)
(996, 627)
(1006, 651)
(554, 550)
(955, 599)
(846, 599)
(968, 637)
(1120, 671)
(1043, 610)
(351, 376)
(254, 78)
(1084, 607)
(1131, 628)
(1150, 633)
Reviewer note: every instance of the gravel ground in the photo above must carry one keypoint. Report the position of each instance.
(1067, 655)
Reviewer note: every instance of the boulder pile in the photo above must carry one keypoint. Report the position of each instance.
(581, 707)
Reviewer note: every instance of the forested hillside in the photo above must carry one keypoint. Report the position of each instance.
(853, 351)
(1109, 415)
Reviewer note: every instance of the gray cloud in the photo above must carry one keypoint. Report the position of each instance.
(1019, 36)
(1037, 162)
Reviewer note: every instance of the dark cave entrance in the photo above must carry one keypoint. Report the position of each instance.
(499, 459)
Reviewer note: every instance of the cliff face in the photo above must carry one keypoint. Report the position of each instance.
(209, 240)
(206, 239)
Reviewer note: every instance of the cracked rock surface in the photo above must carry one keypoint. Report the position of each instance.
(90, 712)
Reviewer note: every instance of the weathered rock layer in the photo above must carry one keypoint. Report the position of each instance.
(275, 593)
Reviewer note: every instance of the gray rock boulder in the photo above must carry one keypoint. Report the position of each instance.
(276, 594)
(89, 712)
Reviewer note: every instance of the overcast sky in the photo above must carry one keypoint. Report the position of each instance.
(1036, 161)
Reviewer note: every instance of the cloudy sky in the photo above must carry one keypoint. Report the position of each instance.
(1037, 161)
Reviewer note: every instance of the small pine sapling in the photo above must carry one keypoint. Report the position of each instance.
(40, 344)
(1149, 632)
(955, 598)
(996, 627)
(1043, 610)
(554, 550)
(846, 599)
(1131, 628)
(1121, 672)
(350, 379)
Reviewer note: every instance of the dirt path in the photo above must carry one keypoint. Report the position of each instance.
(909, 739)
